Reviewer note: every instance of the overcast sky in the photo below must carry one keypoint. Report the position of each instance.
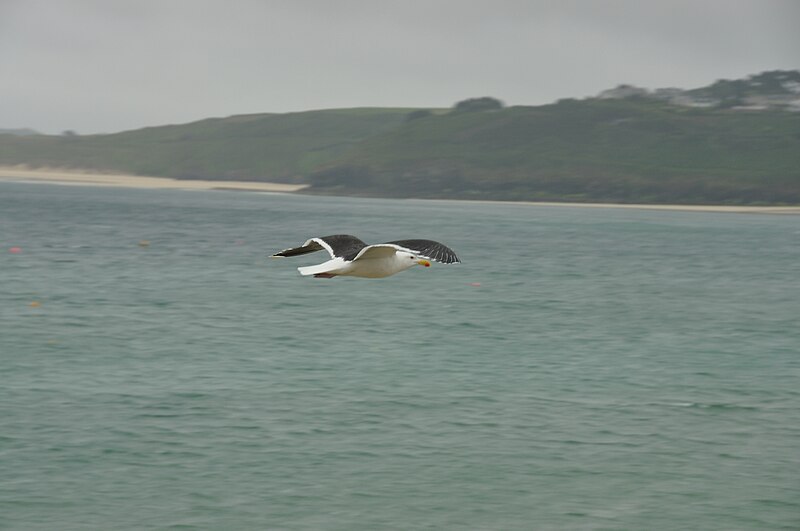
(111, 65)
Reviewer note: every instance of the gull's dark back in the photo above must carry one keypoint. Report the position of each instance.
(342, 245)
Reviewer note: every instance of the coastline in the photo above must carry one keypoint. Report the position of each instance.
(86, 178)
(75, 177)
(731, 209)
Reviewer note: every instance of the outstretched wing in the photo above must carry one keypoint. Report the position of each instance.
(338, 246)
(428, 249)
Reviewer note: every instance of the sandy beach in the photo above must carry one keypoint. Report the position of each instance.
(54, 175)
(73, 177)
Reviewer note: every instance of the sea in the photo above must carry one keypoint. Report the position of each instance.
(581, 369)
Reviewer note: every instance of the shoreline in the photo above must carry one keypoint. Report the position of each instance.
(74, 177)
(86, 178)
(731, 209)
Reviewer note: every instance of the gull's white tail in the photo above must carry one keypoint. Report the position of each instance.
(325, 267)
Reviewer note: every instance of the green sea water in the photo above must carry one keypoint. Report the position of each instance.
(581, 369)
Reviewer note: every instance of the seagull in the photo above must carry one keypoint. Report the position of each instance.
(352, 257)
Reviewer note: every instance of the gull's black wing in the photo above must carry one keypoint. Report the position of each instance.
(428, 249)
(337, 245)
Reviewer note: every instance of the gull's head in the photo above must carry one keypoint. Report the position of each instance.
(412, 259)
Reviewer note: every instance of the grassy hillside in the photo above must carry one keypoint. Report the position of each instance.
(268, 147)
(590, 150)
(629, 150)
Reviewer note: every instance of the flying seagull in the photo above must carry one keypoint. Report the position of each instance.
(352, 257)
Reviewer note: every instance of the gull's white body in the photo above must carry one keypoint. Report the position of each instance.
(378, 262)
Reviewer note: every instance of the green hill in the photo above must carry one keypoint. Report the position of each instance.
(261, 147)
(634, 149)
(591, 150)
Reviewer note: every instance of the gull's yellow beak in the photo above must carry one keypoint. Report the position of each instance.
(424, 263)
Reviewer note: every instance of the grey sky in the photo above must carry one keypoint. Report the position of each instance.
(111, 65)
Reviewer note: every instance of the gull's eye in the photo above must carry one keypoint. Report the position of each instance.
(411, 257)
